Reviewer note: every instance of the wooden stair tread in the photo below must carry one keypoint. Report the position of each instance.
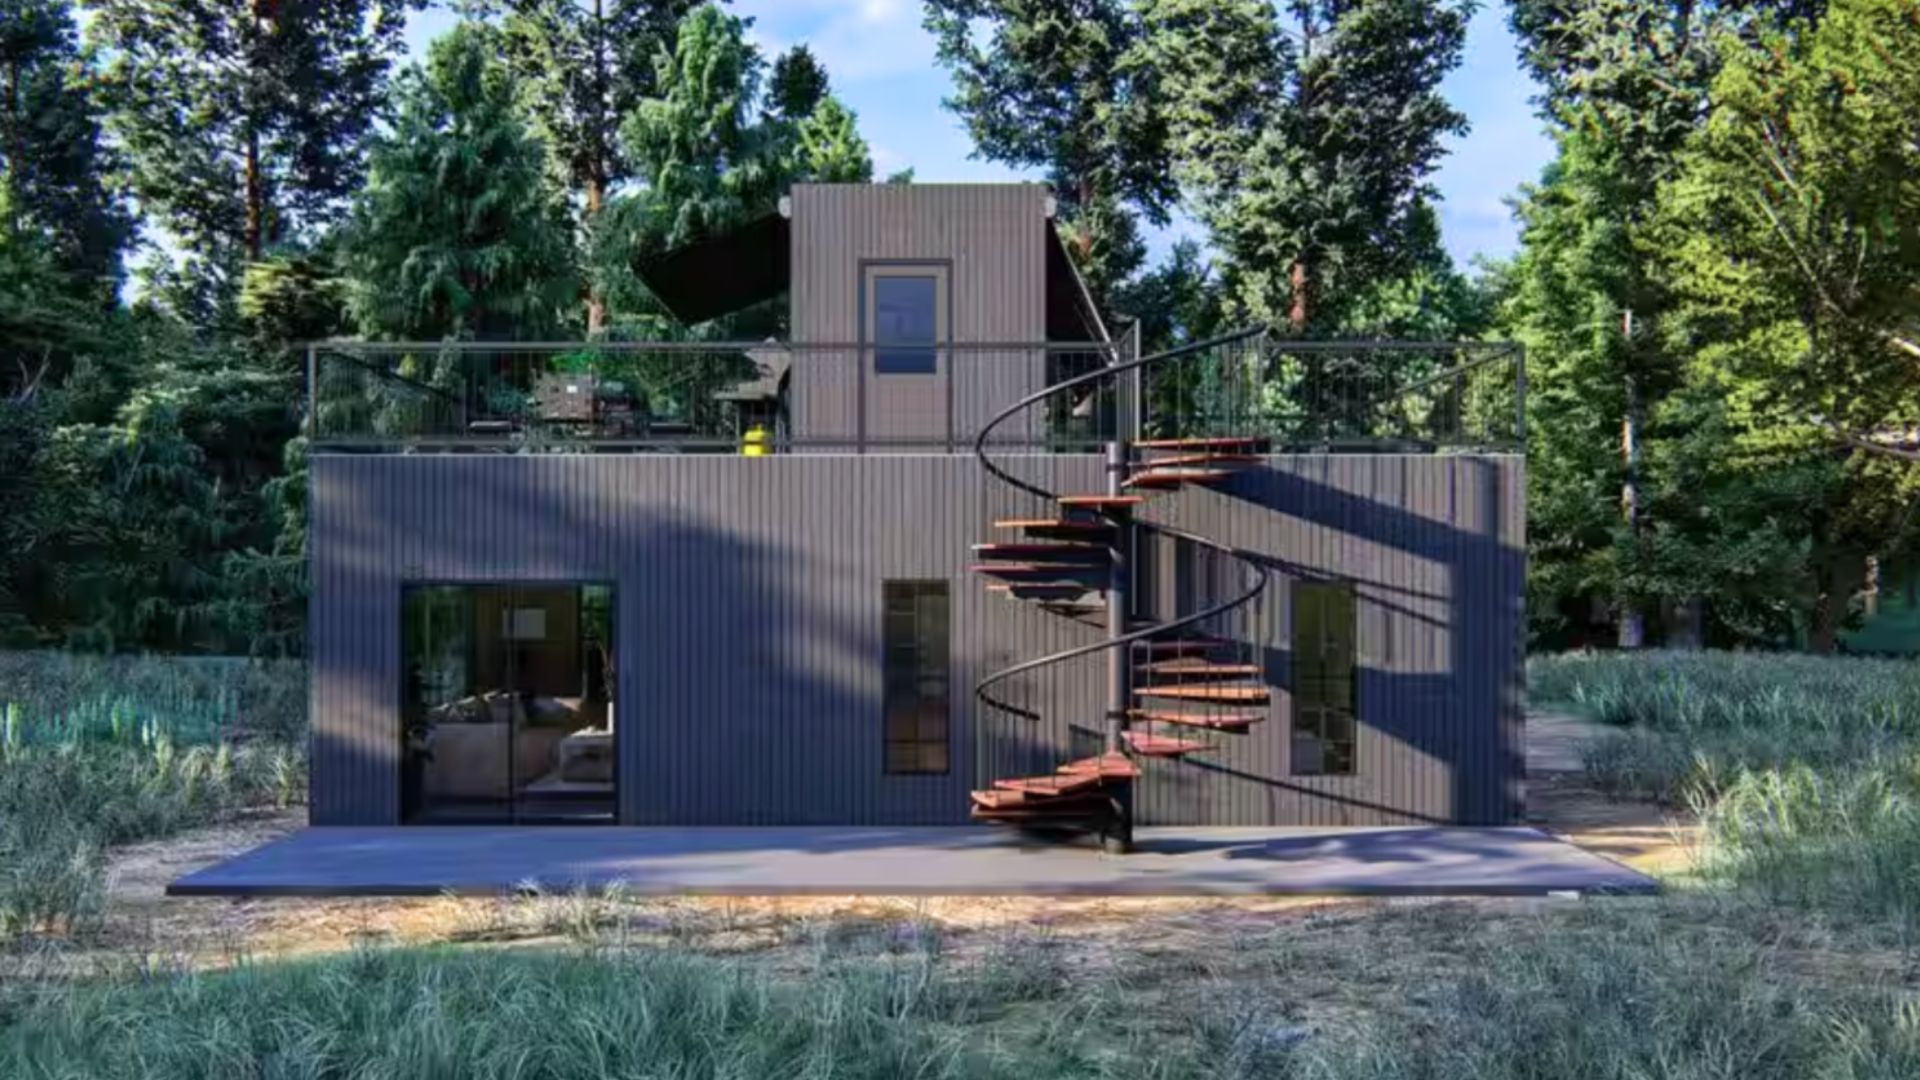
(1062, 568)
(1109, 766)
(1066, 549)
(1199, 667)
(1203, 692)
(1215, 721)
(1147, 744)
(1019, 589)
(1167, 478)
(1057, 784)
(1097, 501)
(1202, 459)
(1224, 442)
(1005, 799)
(1180, 646)
(1091, 525)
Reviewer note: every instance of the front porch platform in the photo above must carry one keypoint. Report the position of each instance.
(932, 861)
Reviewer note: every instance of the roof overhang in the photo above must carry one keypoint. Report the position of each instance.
(1071, 312)
(720, 274)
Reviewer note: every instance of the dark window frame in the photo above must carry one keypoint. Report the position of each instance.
(887, 359)
(402, 685)
(1325, 730)
(906, 747)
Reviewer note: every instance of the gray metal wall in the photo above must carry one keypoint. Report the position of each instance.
(989, 238)
(748, 597)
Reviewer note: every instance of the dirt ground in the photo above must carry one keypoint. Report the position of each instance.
(143, 922)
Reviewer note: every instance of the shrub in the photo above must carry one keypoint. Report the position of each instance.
(96, 751)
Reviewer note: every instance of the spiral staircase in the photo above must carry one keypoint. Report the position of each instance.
(1173, 687)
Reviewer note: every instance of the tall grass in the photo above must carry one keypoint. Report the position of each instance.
(480, 1014)
(1805, 771)
(1634, 996)
(96, 752)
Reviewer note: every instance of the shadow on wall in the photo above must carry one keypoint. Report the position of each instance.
(748, 669)
(1440, 597)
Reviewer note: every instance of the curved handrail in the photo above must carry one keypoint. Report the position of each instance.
(1108, 372)
(1259, 581)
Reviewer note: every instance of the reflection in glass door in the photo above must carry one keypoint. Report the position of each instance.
(507, 703)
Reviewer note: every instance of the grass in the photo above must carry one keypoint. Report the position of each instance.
(1674, 990)
(102, 751)
(1805, 771)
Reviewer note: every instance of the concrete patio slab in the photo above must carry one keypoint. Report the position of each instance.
(933, 861)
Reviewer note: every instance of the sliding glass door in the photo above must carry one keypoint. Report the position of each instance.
(507, 703)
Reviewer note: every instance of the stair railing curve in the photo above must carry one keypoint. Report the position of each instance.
(1255, 567)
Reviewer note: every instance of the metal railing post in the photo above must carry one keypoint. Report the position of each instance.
(1118, 837)
(313, 393)
(1520, 396)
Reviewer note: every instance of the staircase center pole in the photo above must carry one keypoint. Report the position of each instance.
(1117, 838)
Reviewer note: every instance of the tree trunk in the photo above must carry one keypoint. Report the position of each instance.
(255, 211)
(1633, 630)
(1835, 581)
(1300, 310)
(596, 304)
(1686, 623)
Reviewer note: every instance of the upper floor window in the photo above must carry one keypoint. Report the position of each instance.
(906, 317)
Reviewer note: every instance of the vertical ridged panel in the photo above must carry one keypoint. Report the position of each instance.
(749, 598)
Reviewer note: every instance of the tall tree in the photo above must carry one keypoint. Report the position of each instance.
(244, 121)
(1045, 84)
(1307, 143)
(51, 148)
(1794, 228)
(581, 66)
(459, 232)
(1625, 85)
(798, 84)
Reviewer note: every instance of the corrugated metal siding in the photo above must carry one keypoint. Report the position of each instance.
(749, 598)
(991, 238)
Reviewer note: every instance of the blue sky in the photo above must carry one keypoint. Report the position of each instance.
(882, 65)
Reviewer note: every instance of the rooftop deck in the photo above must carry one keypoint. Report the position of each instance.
(705, 397)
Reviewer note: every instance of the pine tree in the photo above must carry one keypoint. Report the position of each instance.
(1307, 147)
(458, 232)
(797, 86)
(244, 122)
(51, 148)
(1047, 86)
(580, 67)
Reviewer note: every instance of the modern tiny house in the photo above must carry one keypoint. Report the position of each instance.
(981, 559)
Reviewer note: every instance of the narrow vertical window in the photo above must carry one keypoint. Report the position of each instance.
(915, 636)
(905, 321)
(1324, 679)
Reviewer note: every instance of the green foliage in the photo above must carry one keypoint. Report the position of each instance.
(51, 150)
(1045, 84)
(713, 149)
(798, 84)
(95, 752)
(275, 103)
(1306, 147)
(1805, 770)
(458, 232)
(830, 148)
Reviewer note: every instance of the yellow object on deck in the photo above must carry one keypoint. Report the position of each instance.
(753, 443)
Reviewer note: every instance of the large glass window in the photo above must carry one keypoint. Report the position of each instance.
(1325, 676)
(905, 319)
(916, 636)
(507, 703)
